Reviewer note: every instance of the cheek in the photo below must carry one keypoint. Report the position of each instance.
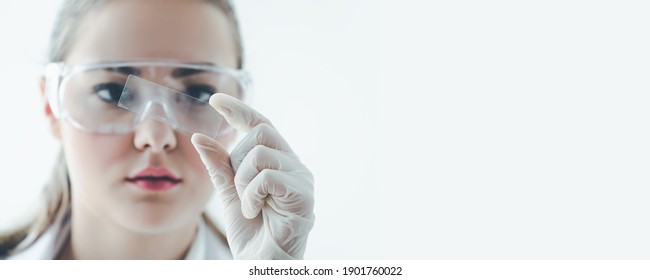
(92, 156)
(192, 164)
(227, 140)
(195, 174)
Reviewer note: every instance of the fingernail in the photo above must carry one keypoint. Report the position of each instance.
(199, 141)
(224, 111)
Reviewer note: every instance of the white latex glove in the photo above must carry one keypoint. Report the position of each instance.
(268, 194)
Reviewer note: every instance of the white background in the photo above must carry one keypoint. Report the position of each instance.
(455, 130)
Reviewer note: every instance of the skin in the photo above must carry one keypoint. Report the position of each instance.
(107, 209)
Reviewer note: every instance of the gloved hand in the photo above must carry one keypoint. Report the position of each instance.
(268, 194)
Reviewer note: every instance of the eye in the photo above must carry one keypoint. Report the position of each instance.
(109, 92)
(200, 92)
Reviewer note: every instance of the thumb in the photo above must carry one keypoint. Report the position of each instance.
(217, 161)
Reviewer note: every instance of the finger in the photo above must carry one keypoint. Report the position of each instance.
(217, 161)
(258, 159)
(262, 134)
(283, 191)
(239, 115)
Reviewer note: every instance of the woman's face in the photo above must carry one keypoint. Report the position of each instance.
(101, 166)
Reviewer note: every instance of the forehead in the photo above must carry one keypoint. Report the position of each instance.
(180, 30)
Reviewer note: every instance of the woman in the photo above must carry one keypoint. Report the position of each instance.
(130, 187)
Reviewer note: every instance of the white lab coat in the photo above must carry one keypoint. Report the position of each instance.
(206, 246)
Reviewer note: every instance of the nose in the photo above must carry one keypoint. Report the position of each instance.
(154, 135)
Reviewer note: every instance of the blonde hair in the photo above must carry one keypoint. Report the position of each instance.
(56, 194)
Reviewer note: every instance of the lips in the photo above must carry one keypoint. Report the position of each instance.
(154, 179)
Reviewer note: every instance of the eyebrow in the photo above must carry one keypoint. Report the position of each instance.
(126, 70)
(184, 72)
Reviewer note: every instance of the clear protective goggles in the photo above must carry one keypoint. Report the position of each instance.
(115, 97)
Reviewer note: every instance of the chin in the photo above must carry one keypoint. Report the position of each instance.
(158, 220)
